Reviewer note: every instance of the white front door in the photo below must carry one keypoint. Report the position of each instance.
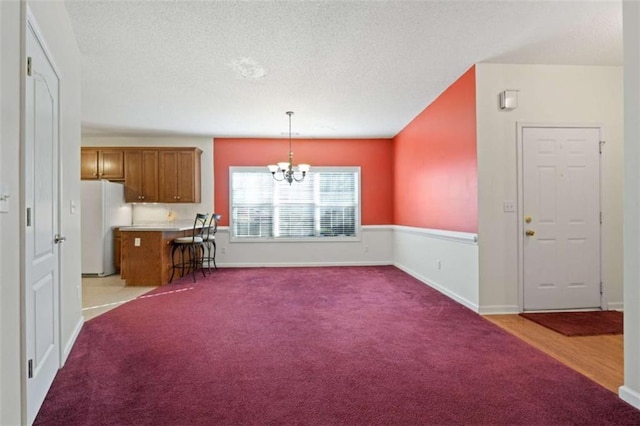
(41, 225)
(561, 217)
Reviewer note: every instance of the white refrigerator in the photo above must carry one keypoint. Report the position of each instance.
(103, 207)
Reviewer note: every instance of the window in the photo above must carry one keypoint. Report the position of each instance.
(325, 205)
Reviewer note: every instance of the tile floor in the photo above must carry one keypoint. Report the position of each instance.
(101, 294)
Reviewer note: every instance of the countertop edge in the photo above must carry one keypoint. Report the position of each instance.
(156, 228)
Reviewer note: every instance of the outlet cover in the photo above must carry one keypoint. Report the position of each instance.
(509, 206)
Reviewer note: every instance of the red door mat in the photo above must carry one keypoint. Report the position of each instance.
(579, 323)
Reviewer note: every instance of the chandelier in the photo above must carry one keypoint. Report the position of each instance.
(285, 170)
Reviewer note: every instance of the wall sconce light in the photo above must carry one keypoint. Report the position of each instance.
(509, 99)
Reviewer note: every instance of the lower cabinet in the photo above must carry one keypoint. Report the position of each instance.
(117, 241)
(149, 262)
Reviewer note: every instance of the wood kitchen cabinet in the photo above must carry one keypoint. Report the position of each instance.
(101, 163)
(150, 174)
(179, 176)
(117, 248)
(149, 262)
(141, 176)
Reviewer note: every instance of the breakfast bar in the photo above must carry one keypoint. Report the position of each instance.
(145, 258)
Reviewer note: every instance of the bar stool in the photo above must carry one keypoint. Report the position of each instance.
(194, 247)
(209, 240)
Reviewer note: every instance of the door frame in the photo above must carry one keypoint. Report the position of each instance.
(520, 126)
(29, 23)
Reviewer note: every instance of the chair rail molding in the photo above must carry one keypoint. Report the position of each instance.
(463, 237)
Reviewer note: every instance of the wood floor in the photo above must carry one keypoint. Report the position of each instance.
(598, 357)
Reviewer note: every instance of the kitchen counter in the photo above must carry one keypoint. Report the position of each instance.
(178, 225)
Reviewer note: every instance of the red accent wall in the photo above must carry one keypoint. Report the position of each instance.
(374, 156)
(435, 163)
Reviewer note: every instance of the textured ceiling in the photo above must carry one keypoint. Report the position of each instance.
(346, 68)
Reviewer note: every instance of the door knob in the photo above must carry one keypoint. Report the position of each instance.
(529, 232)
(59, 239)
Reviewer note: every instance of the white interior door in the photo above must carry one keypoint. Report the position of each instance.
(41, 225)
(561, 217)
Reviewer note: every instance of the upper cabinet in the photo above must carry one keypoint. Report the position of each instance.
(141, 176)
(150, 174)
(102, 163)
(179, 176)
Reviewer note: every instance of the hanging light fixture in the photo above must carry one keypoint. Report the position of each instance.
(285, 170)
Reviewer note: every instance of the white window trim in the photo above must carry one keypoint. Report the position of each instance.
(356, 238)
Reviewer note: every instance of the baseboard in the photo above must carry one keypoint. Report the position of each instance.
(438, 287)
(499, 309)
(302, 264)
(615, 306)
(72, 340)
(629, 395)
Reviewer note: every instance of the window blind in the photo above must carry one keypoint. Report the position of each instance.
(325, 204)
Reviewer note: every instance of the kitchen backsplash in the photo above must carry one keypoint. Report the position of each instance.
(159, 213)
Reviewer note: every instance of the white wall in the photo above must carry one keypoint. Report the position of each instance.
(374, 248)
(547, 94)
(630, 391)
(52, 19)
(146, 213)
(445, 260)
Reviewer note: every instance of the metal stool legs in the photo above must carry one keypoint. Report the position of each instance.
(195, 253)
(195, 250)
(211, 246)
(209, 239)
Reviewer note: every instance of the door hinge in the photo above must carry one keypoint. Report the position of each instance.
(28, 216)
(29, 65)
(600, 287)
(600, 218)
(30, 369)
(601, 145)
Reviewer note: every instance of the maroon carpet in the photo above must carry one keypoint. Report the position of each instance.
(313, 346)
(579, 323)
